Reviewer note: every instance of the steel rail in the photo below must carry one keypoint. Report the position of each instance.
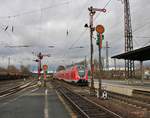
(130, 100)
(86, 107)
(15, 89)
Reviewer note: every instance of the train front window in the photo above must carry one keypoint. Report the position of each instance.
(81, 71)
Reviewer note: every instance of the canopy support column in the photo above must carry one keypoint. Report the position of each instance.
(142, 71)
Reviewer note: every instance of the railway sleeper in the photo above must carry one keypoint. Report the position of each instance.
(99, 116)
(131, 101)
(141, 97)
(83, 110)
(141, 92)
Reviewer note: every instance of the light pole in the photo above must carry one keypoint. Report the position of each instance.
(92, 12)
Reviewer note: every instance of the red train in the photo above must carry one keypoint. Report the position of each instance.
(76, 74)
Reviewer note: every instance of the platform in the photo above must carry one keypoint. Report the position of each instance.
(123, 87)
(38, 103)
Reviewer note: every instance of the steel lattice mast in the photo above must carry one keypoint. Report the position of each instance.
(129, 64)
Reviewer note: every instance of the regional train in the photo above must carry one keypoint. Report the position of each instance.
(77, 74)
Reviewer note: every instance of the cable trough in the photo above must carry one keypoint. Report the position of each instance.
(85, 107)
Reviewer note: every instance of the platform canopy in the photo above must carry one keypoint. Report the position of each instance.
(141, 54)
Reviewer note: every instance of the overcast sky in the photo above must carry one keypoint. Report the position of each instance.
(43, 23)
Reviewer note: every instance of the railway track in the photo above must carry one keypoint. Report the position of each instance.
(85, 107)
(133, 100)
(116, 103)
(2, 82)
(15, 89)
(11, 83)
(141, 92)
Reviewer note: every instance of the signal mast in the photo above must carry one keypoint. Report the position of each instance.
(39, 59)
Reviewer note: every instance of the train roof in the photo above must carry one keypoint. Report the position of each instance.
(70, 66)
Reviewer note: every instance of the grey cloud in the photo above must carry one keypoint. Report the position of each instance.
(49, 27)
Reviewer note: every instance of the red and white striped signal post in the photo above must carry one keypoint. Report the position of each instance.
(45, 68)
(100, 30)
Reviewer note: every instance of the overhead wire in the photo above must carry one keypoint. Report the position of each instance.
(133, 30)
(80, 35)
(146, 43)
(67, 30)
(29, 12)
(137, 29)
(145, 37)
(33, 11)
(103, 8)
(140, 27)
(84, 31)
(79, 14)
(135, 42)
(41, 10)
(79, 38)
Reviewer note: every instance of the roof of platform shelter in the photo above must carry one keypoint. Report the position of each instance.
(141, 54)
